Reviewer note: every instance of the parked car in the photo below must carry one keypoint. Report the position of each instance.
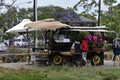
(20, 43)
(3, 47)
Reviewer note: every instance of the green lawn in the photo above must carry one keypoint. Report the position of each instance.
(60, 73)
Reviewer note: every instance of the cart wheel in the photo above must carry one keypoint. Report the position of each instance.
(57, 59)
(96, 60)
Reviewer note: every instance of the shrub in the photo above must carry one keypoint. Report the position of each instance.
(17, 50)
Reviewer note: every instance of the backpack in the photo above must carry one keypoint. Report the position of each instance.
(77, 48)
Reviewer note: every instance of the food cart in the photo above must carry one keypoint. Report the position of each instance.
(59, 42)
(59, 38)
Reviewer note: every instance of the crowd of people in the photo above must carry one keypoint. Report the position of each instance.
(81, 49)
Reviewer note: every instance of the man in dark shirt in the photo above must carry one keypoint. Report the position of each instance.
(77, 55)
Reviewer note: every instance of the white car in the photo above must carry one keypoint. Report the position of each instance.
(20, 43)
(3, 47)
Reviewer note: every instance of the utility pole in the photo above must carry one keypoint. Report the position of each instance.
(35, 19)
(35, 10)
(99, 12)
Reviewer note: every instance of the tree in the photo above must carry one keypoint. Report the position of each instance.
(89, 16)
(8, 18)
(89, 5)
(109, 2)
(112, 19)
(13, 16)
(86, 6)
(57, 13)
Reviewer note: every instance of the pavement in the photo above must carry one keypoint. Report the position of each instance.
(14, 65)
(107, 64)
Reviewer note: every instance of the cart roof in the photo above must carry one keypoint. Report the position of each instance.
(90, 29)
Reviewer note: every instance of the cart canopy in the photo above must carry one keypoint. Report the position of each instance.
(19, 27)
(46, 24)
(90, 29)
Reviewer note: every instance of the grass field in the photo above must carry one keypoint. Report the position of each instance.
(60, 73)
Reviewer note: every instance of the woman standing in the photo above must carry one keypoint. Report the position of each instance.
(84, 46)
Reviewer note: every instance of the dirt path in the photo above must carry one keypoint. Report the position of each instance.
(107, 64)
(14, 65)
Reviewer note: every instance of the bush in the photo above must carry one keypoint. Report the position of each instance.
(108, 46)
(18, 50)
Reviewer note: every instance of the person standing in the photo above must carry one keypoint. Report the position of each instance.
(77, 55)
(116, 51)
(84, 46)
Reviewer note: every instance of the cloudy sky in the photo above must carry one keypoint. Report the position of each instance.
(62, 3)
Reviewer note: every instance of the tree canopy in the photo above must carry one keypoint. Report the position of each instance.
(110, 17)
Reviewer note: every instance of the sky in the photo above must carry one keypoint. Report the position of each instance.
(61, 3)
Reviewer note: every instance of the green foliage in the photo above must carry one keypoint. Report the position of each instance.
(111, 18)
(45, 12)
(78, 36)
(13, 16)
(109, 2)
(17, 50)
(65, 73)
(91, 4)
(86, 5)
(108, 46)
(89, 16)
(57, 13)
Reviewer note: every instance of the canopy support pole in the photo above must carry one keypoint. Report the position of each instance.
(29, 57)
